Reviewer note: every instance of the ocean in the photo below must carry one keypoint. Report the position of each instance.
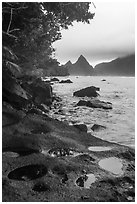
(119, 121)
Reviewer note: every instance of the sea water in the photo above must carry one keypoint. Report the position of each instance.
(119, 121)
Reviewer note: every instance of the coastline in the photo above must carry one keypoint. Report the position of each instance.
(43, 158)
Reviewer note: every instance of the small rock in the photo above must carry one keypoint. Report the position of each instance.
(95, 103)
(65, 81)
(97, 127)
(129, 198)
(81, 127)
(84, 197)
(54, 79)
(84, 171)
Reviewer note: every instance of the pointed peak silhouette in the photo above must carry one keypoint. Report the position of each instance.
(81, 57)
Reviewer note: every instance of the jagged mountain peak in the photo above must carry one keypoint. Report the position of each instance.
(82, 59)
(68, 64)
(80, 67)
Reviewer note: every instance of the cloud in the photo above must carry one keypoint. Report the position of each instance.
(111, 34)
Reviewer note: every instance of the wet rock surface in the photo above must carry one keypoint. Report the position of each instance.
(81, 127)
(85, 158)
(41, 187)
(66, 160)
(95, 103)
(128, 155)
(45, 160)
(89, 92)
(97, 127)
(59, 152)
(54, 79)
(86, 180)
(10, 154)
(27, 173)
(65, 81)
(19, 151)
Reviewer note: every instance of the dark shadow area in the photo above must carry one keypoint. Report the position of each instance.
(29, 172)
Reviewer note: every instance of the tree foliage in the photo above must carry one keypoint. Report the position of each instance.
(30, 28)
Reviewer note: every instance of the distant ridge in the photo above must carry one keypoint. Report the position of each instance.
(69, 63)
(81, 67)
(124, 66)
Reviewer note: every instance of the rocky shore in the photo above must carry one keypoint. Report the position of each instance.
(46, 160)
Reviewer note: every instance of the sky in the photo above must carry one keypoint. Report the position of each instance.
(110, 34)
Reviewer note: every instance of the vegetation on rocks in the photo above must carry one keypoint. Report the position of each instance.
(44, 158)
(30, 28)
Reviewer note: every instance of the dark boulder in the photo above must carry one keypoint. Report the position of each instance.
(81, 127)
(40, 91)
(54, 79)
(65, 81)
(10, 84)
(15, 69)
(89, 91)
(103, 80)
(42, 94)
(43, 108)
(97, 127)
(99, 104)
(82, 103)
(15, 100)
(95, 103)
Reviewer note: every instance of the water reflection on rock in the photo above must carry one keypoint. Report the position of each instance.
(99, 148)
(112, 164)
(85, 181)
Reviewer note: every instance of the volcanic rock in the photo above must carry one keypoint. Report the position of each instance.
(54, 79)
(97, 127)
(81, 127)
(65, 81)
(95, 103)
(89, 91)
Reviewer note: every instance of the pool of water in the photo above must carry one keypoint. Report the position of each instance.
(85, 181)
(99, 148)
(112, 164)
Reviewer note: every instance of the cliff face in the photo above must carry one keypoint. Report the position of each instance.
(80, 67)
(119, 67)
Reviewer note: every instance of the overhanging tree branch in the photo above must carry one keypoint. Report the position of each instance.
(10, 21)
(10, 35)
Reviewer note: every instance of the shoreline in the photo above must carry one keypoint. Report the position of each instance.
(43, 158)
(119, 127)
